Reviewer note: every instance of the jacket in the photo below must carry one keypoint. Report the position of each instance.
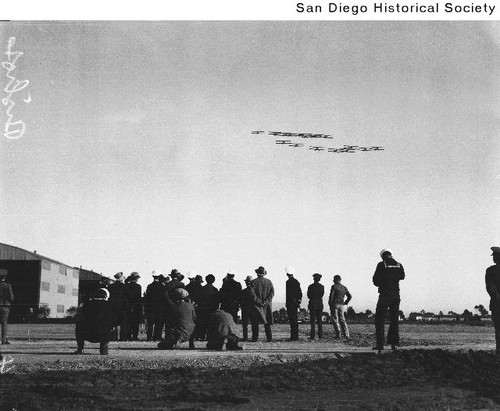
(387, 276)
(263, 296)
(315, 293)
(6, 294)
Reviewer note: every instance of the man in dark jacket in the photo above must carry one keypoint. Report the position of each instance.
(387, 276)
(6, 298)
(492, 279)
(154, 301)
(208, 302)
(170, 287)
(230, 295)
(119, 299)
(135, 313)
(182, 317)
(194, 287)
(315, 293)
(94, 322)
(221, 327)
(293, 300)
(247, 308)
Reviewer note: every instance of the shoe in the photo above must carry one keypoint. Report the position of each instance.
(378, 348)
(244, 339)
(78, 352)
(254, 340)
(394, 347)
(270, 340)
(293, 339)
(6, 343)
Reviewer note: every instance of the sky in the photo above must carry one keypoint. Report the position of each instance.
(138, 152)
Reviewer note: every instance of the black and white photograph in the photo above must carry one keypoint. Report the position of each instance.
(259, 214)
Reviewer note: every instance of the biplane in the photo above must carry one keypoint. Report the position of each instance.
(316, 148)
(283, 141)
(296, 145)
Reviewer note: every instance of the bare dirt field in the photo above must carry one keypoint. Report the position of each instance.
(439, 367)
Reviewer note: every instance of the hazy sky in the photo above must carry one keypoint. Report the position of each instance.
(138, 152)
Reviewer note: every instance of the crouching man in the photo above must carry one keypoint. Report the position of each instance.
(94, 322)
(182, 316)
(221, 327)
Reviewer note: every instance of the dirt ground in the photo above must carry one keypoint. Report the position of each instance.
(439, 367)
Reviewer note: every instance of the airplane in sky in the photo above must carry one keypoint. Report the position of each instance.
(316, 148)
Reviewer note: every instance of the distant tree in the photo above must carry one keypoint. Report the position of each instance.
(350, 313)
(368, 313)
(71, 311)
(402, 315)
(413, 316)
(483, 312)
(453, 313)
(42, 312)
(441, 313)
(281, 316)
(466, 314)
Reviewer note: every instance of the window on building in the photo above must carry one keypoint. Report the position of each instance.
(45, 265)
(60, 308)
(45, 286)
(62, 270)
(61, 289)
(76, 274)
(75, 292)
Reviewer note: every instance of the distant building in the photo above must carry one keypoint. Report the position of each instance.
(39, 281)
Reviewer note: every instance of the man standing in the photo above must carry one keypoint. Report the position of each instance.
(338, 292)
(387, 276)
(246, 307)
(170, 287)
(207, 303)
(230, 295)
(315, 293)
(135, 306)
(119, 300)
(6, 298)
(154, 300)
(293, 300)
(263, 296)
(492, 279)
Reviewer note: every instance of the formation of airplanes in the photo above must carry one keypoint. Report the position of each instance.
(288, 142)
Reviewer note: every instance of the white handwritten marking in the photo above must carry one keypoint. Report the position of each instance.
(4, 363)
(18, 127)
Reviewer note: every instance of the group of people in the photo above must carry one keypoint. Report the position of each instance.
(176, 312)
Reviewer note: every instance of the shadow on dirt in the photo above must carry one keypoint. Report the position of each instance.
(148, 384)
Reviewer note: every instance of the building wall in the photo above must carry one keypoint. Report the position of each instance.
(58, 288)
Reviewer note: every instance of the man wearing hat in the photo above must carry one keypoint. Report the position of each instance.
(247, 298)
(230, 295)
(182, 318)
(154, 300)
(263, 296)
(170, 287)
(492, 279)
(6, 298)
(194, 287)
(207, 302)
(119, 299)
(293, 300)
(387, 276)
(135, 313)
(315, 293)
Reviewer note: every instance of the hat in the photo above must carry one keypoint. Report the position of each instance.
(156, 273)
(180, 277)
(317, 275)
(134, 275)
(3, 272)
(160, 277)
(385, 250)
(181, 293)
(119, 276)
(198, 278)
(230, 273)
(248, 279)
(261, 270)
(495, 250)
(174, 273)
(290, 270)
